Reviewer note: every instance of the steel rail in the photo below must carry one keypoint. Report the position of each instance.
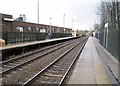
(63, 78)
(30, 53)
(45, 68)
(26, 62)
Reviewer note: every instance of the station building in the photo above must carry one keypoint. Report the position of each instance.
(10, 25)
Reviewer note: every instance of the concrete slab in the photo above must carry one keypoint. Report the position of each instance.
(89, 68)
(111, 65)
(100, 73)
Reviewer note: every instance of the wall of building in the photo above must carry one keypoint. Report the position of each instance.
(19, 26)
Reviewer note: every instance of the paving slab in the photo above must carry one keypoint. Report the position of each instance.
(89, 68)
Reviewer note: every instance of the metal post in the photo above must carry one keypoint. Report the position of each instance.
(107, 38)
(117, 25)
(104, 38)
(107, 30)
(64, 22)
(50, 25)
(38, 11)
(72, 23)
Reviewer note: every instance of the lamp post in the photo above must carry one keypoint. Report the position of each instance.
(104, 35)
(72, 23)
(50, 25)
(64, 22)
(97, 26)
(106, 27)
(38, 11)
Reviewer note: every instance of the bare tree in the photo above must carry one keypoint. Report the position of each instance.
(109, 12)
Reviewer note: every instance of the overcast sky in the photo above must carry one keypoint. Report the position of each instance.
(82, 12)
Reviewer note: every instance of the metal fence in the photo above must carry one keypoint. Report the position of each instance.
(112, 43)
(18, 37)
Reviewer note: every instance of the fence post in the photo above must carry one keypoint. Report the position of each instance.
(118, 45)
(104, 39)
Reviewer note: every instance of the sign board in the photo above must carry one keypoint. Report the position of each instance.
(106, 25)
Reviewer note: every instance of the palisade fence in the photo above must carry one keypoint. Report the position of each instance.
(20, 37)
(113, 44)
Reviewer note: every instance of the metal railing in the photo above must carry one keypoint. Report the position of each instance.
(112, 43)
(20, 37)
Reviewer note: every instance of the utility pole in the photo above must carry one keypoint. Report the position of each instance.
(107, 27)
(97, 28)
(50, 25)
(72, 23)
(64, 22)
(38, 11)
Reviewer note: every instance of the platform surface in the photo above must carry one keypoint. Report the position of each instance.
(31, 43)
(90, 69)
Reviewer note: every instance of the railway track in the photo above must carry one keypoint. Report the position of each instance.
(56, 71)
(21, 60)
(22, 74)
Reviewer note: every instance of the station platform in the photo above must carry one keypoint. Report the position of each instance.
(32, 43)
(21, 48)
(95, 66)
